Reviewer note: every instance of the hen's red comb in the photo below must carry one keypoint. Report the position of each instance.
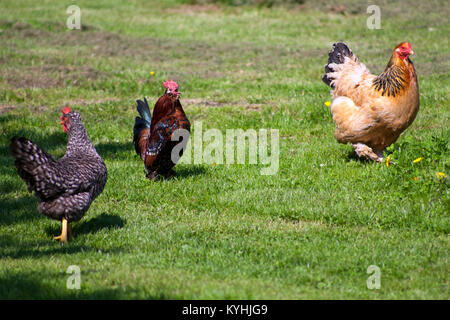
(169, 84)
(65, 110)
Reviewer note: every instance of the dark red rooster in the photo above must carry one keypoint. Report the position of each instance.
(66, 188)
(152, 135)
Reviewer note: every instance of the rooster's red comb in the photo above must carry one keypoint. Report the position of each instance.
(169, 84)
(65, 110)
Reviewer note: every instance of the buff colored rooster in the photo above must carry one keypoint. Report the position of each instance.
(369, 111)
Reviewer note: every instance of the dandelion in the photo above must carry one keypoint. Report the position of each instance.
(441, 175)
(416, 178)
(152, 73)
(327, 103)
(388, 161)
(418, 160)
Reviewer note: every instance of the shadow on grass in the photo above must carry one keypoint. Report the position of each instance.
(113, 150)
(182, 172)
(29, 285)
(23, 209)
(352, 156)
(103, 221)
(35, 286)
(16, 248)
(7, 186)
(189, 171)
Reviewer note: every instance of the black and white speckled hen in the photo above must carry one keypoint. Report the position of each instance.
(66, 188)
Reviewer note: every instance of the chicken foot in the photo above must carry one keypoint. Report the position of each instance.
(364, 151)
(66, 231)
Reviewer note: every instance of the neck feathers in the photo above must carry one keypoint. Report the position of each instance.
(165, 106)
(79, 140)
(395, 78)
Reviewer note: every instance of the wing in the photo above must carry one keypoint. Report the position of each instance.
(161, 135)
(158, 139)
(80, 174)
(352, 122)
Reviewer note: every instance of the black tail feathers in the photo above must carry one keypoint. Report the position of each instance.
(144, 110)
(28, 157)
(337, 55)
(141, 122)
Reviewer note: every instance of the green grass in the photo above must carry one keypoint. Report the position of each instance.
(225, 231)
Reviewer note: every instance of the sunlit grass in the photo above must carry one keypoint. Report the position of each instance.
(224, 231)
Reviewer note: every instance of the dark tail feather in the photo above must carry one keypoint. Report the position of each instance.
(28, 157)
(337, 55)
(141, 122)
(144, 110)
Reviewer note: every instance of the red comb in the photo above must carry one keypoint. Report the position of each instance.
(169, 84)
(65, 110)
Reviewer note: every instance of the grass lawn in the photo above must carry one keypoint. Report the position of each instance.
(225, 231)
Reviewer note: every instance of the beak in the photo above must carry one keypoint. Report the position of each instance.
(411, 53)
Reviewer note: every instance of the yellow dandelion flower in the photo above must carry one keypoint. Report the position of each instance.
(388, 161)
(418, 160)
(327, 103)
(152, 73)
(416, 178)
(441, 175)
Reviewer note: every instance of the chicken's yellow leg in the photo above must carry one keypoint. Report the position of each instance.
(63, 236)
